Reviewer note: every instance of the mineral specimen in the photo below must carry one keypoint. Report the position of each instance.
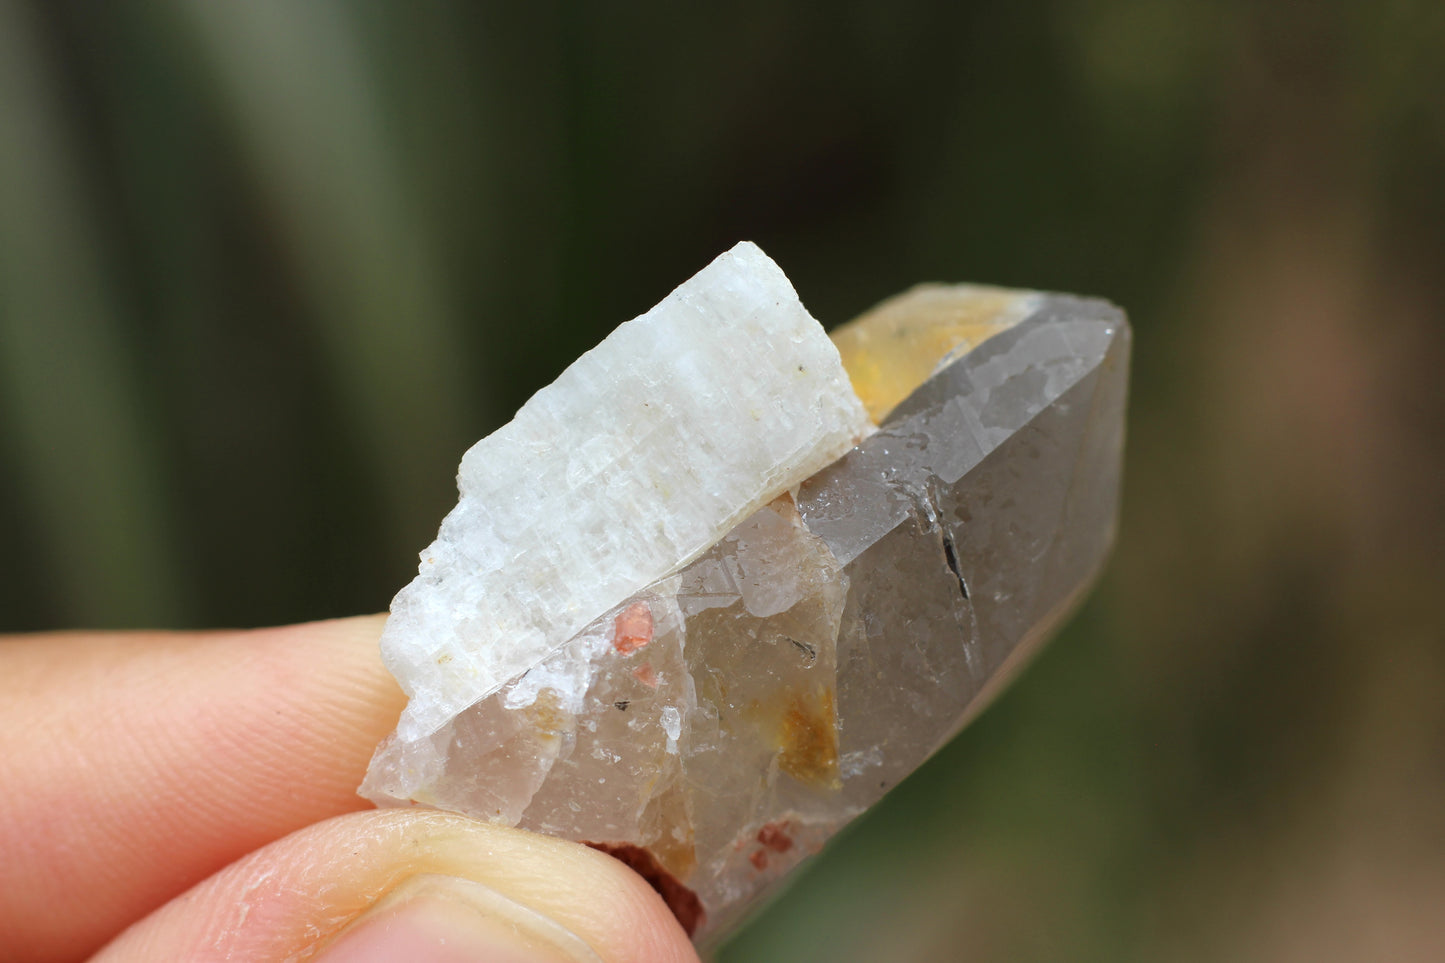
(716, 725)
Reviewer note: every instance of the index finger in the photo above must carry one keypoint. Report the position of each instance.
(137, 764)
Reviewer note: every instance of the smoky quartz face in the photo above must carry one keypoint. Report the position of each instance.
(716, 727)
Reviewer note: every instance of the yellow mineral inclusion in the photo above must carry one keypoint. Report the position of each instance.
(893, 348)
(808, 738)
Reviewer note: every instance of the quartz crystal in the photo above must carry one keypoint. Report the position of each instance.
(715, 725)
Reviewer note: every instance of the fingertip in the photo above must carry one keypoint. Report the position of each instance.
(450, 919)
(357, 887)
(138, 764)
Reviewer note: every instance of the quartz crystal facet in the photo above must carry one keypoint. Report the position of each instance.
(714, 726)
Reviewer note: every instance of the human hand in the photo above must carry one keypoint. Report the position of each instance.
(192, 796)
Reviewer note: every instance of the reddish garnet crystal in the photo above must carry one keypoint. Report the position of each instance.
(633, 628)
(775, 837)
(682, 901)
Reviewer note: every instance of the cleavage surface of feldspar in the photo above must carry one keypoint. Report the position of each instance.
(727, 718)
(636, 459)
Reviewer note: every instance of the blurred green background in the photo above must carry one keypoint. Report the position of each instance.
(266, 269)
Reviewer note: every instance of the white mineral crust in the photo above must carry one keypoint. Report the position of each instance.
(640, 456)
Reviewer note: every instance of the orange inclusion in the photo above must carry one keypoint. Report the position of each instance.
(633, 628)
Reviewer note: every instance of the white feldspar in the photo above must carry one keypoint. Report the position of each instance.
(641, 455)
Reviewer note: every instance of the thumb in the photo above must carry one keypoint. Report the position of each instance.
(413, 885)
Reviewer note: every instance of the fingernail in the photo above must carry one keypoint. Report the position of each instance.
(444, 919)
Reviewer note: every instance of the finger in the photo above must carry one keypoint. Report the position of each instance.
(136, 765)
(413, 885)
